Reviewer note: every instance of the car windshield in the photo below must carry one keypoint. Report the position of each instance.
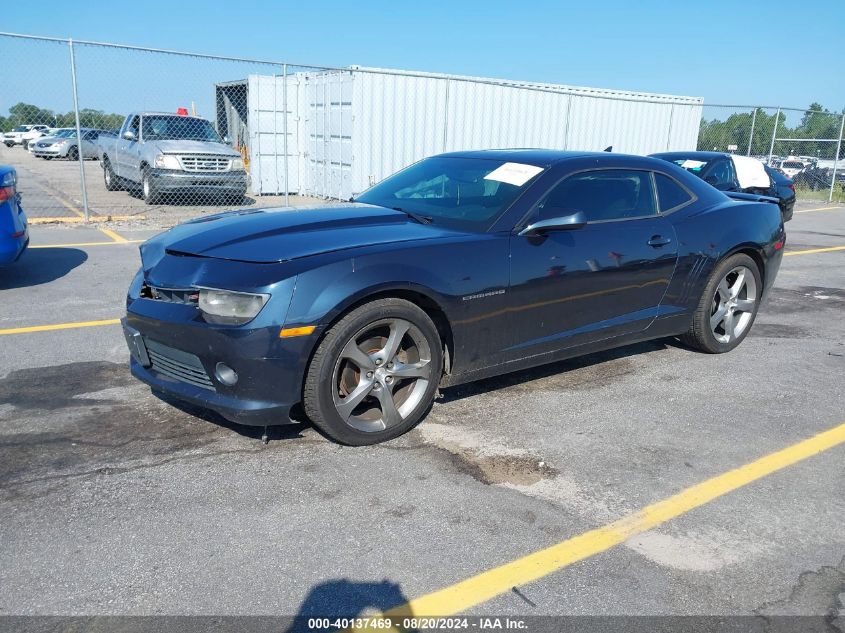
(465, 193)
(792, 165)
(20, 128)
(65, 133)
(161, 128)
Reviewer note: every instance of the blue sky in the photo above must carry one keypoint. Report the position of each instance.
(773, 52)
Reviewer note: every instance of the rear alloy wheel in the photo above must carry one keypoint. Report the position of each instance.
(374, 375)
(109, 177)
(148, 189)
(73, 153)
(728, 306)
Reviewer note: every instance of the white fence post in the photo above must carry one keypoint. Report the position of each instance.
(78, 131)
(836, 159)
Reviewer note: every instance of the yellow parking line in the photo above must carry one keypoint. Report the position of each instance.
(478, 589)
(820, 209)
(58, 326)
(82, 244)
(810, 251)
(113, 235)
(78, 220)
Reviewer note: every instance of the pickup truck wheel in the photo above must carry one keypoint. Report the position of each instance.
(9, 144)
(109, 177)
(148, 189)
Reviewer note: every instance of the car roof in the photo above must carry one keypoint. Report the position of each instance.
(694, 155)
(529, 156)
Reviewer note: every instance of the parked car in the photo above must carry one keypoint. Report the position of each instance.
(816, 179)
(163, 153)
(67, 145)
(16, 136)
(792, 166)
(784, 191)
(14, 232)
(36, 132)
(735, 175)
(54, 134)
(459, 267)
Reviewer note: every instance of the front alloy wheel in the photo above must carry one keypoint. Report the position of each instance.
(374, 375)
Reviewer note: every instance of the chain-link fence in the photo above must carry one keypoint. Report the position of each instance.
(110, 130)
(805, 145)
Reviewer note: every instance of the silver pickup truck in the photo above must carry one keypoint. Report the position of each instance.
(162, 153)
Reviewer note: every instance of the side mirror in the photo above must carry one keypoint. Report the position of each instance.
(568, 222)
(226, 139)
(129, 135)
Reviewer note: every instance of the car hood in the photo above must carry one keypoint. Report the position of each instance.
(278, 235)
(193, 147)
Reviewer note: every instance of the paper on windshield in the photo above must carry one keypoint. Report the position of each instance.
(692, 164)
(514, 173)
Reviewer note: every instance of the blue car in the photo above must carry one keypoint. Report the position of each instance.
(14, 232)
(460, 267)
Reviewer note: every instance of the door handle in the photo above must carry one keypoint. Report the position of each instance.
(658, 240)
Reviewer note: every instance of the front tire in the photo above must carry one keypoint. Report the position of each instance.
(73, 154)
(375, 373)
(148, 189)
(728, 306)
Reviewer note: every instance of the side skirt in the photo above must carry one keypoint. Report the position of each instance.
(673, 325)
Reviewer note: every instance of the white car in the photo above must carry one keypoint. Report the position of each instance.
(792, 166)
(23, 133)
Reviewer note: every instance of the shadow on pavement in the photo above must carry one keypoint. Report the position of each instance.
(594, 361)
(346, 599)
(40, 266)
(275, 432)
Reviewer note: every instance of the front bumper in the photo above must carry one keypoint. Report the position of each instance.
(47, 151)
(183, 358)
(167, 180)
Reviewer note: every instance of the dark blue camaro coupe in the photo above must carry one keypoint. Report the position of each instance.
(459, 267)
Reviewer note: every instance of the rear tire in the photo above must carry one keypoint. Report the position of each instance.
(375, 373)
(109, 178)
(728, 306)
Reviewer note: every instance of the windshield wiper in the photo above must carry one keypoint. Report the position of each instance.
(422, 219)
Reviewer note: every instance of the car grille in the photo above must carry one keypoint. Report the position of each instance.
(189, 296)
(178, 365)
(200, 163)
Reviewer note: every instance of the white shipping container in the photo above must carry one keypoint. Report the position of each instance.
(348, 129)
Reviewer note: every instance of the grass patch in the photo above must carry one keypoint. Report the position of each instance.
(821, 195)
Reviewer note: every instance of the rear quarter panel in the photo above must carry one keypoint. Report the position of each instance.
(707, 236)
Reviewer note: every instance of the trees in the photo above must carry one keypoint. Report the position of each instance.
(816, 123)
(27, 113)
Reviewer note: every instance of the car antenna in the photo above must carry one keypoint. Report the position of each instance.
(609, 148)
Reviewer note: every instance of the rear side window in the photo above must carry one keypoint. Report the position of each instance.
(670, 195)
(607, 194)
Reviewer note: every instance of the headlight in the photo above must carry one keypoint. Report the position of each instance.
(163, 161)
(237, 164)
(231, 308)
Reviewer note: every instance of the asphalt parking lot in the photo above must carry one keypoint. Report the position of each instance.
(113, 501)
(51, 190)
